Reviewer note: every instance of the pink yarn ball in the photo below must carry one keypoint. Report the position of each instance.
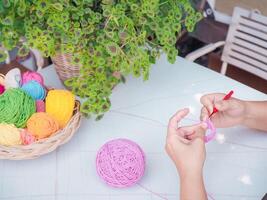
(26, 137)
(32, 76)
(2, 89)
(40, 106)
(120, 163)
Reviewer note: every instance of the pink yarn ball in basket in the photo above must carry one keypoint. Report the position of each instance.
(2, 89)
(40, 106)
(26, 137)
(120, 163)
(32, 76)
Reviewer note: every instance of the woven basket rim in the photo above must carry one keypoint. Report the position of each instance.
(46, 145)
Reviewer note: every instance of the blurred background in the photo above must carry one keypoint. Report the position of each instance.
(213, 28)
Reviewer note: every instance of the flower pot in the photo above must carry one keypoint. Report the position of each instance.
(64, 67)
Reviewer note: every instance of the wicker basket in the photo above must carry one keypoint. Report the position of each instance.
(46, 145)
(64, 68)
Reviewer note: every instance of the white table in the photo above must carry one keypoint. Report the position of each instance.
(235, 169)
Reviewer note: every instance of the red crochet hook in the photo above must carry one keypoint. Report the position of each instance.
(226, 97)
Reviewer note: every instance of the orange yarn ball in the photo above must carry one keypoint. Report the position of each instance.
(42, 125)
(60, 105)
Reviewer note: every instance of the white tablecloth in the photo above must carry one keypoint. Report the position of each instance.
(236, 164)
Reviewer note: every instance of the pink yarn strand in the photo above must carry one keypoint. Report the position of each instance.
(210, 197)
(152, 192)
(211, 130)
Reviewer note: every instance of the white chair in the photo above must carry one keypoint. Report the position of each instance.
(246, 43)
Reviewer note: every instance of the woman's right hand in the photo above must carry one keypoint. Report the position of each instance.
(231, 112)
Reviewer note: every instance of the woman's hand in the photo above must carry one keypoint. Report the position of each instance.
(234, 112)
(186, 147)
(230, 112)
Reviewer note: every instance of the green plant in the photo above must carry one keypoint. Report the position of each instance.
(105, 37)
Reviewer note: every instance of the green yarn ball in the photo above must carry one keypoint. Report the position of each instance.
(16, 107)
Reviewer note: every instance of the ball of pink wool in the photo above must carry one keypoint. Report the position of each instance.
(2, 89)
(26, 137)
(120, 163)
(40, 106)
(32, 76)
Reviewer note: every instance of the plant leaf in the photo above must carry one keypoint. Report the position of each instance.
(112, 48)
(58, 6)
(23, 51)
(99, 117)
(6, 3)
(3, 56)
(7, 21)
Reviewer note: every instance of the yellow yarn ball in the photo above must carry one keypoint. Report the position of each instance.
(60, 105)
(9, 135)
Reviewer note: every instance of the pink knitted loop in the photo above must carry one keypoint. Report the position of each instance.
(40, 106)
(120, 163)
(211, 131)
(32, 76)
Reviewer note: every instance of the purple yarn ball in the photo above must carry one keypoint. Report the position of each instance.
(120, 163)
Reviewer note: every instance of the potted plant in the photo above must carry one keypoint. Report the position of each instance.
(96, 42)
